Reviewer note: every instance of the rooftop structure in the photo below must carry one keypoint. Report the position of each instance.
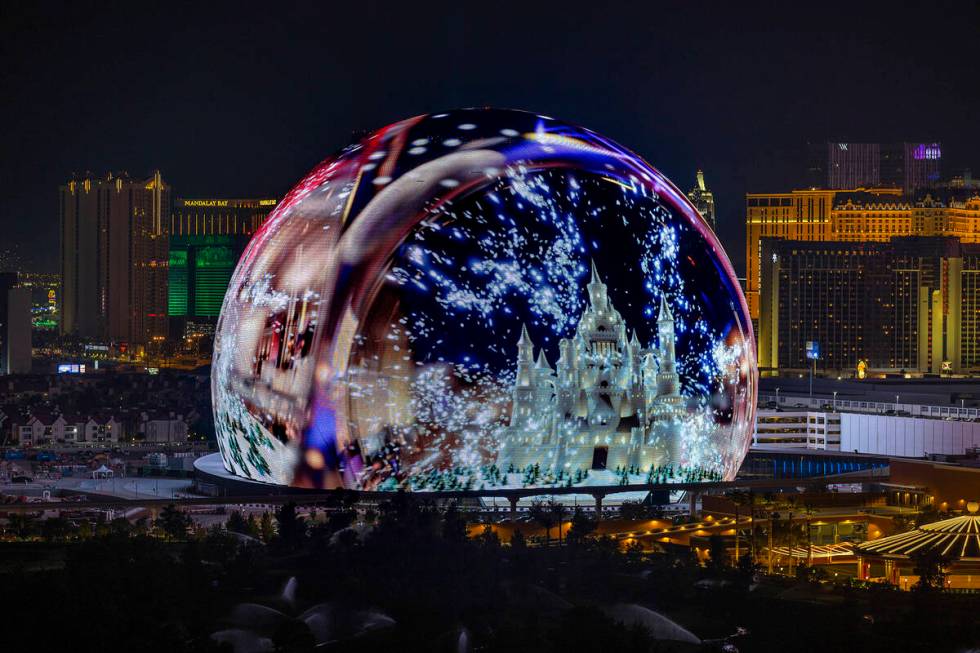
(703, 199)
(954, 542)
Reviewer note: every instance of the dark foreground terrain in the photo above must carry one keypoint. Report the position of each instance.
(412, 580)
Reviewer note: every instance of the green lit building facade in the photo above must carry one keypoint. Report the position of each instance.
(207, 237)
(200, 269)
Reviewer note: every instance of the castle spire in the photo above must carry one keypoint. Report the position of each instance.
(525, 338)
(542, 361)
(597, 291)
(525, 348)
(665, 313)
(595, 273)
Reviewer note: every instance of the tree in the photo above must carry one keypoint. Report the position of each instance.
(742, 498)
(582, 526)
(21, 526)
(634, 550)
(173, 522)
(292, 527)
(236, 523)
(517, 542)
(56, 529)
(266, 530)
(718, 553)
(808, 511)
(558, 511)
(791, 531)
(453, 524)
(632, 510)
(489, 538)
(770, 505)
(541, 514)
(747, 568)
(930, 566)
(340, 519)
(252, 527)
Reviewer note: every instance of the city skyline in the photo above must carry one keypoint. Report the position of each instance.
(188, 120)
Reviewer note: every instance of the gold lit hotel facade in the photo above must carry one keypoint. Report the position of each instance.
(873, 276)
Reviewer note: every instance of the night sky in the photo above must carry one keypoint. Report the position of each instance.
(234, 101)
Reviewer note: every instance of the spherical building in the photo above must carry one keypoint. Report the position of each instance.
(483, 299)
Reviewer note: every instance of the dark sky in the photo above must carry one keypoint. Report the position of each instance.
(229, 100)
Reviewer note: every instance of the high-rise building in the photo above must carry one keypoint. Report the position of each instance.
(703, 199)
(219, 217)
(44, 288)
(874, 215)
(911, 304)
(909, 166)
(200, 270)
(853, 165)
(207, 237)
(923, 165)
(114, 257)
(15, 326)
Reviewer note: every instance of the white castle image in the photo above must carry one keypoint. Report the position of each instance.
(610, 402)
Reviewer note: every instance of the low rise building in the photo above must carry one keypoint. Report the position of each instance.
(104, 429)
(163, 427)
(912, 437)
(40, 429)
(797, 429)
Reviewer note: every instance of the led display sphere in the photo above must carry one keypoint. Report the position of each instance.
(483, 299)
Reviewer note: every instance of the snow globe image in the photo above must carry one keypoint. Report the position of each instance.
(484, 299)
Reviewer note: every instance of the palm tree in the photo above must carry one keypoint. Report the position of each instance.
(544, 517)
(558, 511)
(791, 500)
(741, 498)
(769, 505)
(808, 510)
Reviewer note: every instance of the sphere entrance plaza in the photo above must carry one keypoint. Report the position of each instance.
(484, 300)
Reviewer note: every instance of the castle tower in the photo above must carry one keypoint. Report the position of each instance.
(523, 397)
(525, 357)
(543, 397)
(649, 371)
(566, 362)
(597, 292)
(634, 353)
(668, 381)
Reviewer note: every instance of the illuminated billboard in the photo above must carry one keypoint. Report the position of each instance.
(483, 299)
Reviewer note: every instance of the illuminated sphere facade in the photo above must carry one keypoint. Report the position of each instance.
(483, 299)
